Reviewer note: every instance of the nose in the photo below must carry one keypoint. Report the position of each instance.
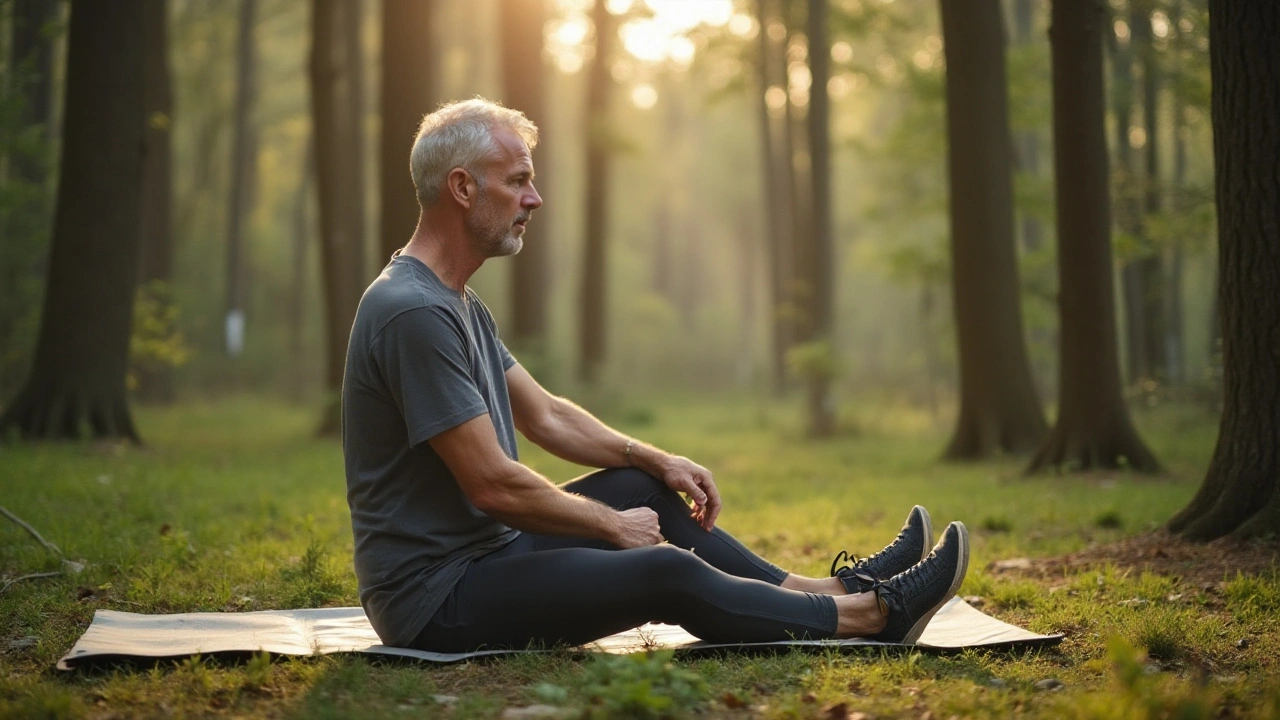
(531, 200)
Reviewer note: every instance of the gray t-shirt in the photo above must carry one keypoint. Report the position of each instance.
(421, 360)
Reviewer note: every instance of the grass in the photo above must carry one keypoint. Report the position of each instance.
(234, 506)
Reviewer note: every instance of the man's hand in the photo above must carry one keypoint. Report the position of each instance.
(686, 476)
(637, 527)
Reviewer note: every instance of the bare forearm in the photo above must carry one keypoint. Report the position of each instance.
(527, 501)
(571, 433)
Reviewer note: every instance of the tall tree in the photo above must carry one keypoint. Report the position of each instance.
(31, 63)
(25, 198)
(1093, 429)
(778, 175)
(77, 382)
(409, 91)
(155, 379)
(243, 166)
(1156, 323)
(1027, 141)
(821, 265)
(522, 74)
(335, 69)
(593, 298)
(999, 410)
(1241, 490)
(302, 238)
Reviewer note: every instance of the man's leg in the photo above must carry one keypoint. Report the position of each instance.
(625, 488)
(519, 596)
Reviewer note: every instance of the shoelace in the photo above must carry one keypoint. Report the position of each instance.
(852, 561)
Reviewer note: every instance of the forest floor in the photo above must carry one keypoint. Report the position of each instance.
(236, 506)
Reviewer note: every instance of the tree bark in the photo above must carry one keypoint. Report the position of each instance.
(1027, 141)
(1128, 208)
(24, 225)
(335, 116)
(1093, 429)
(408, 93)
(594, 294)
(155, 380)
(821, 271)
(999, 410)
(1239, 494)
(77, 383)
(778, 174)
(523, 73)
(1155, 326)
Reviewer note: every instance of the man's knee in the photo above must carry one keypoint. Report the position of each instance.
(667, 566)
(636, 479)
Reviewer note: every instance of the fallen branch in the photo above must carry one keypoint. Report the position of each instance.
(23, 524)
(32, 576)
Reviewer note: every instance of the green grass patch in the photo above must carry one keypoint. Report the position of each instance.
(236, 506)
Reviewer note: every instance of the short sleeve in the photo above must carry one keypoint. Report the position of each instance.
(424, 357)
(504, 355)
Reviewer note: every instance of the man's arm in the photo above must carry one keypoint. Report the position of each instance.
(567, 431)
(521, 498)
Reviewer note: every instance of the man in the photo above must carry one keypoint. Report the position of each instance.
(458, 546)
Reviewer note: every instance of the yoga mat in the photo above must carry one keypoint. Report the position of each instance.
(123, 635)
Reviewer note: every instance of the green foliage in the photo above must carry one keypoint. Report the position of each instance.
(1248, 595)
(312, 582)
(814, 360)
(644, 685)
(157, 341)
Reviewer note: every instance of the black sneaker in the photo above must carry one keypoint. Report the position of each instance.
(910, 547)
(911, 598)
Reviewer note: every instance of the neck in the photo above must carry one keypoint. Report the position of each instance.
(443, 247)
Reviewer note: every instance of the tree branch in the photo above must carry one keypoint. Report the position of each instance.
(23, 524)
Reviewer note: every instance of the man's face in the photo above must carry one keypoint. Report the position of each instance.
(505, 198)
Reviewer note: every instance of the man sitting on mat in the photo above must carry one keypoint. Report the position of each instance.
(458, 546)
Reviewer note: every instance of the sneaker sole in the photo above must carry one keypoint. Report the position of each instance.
(928, 531)
(962, 567)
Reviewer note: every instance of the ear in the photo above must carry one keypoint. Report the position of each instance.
(461, 186)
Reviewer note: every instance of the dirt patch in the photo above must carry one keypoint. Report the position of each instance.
(1201, 565)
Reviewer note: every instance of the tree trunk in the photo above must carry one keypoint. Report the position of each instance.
(335, 116)
(1239, 495)
(592, 302)
(522, 73)
(821, 270)
(999, 410)
(302, 238)
(408, 93)
(1128, 209)
(155, 379)
(1093, 429)
(1027, 141)
(778, 174)
(1175, 353)
(1155, 323)
(243, 165)
(77, 383)
(24, 224)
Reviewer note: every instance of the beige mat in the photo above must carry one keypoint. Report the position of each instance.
(122, 635)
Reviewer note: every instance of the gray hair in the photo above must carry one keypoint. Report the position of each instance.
(460, 134)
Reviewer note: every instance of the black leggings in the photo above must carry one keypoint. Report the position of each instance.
(550, 590)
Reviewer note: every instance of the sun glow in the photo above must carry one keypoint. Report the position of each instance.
(652, 31)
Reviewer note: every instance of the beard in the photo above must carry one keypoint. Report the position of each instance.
(491, 233)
